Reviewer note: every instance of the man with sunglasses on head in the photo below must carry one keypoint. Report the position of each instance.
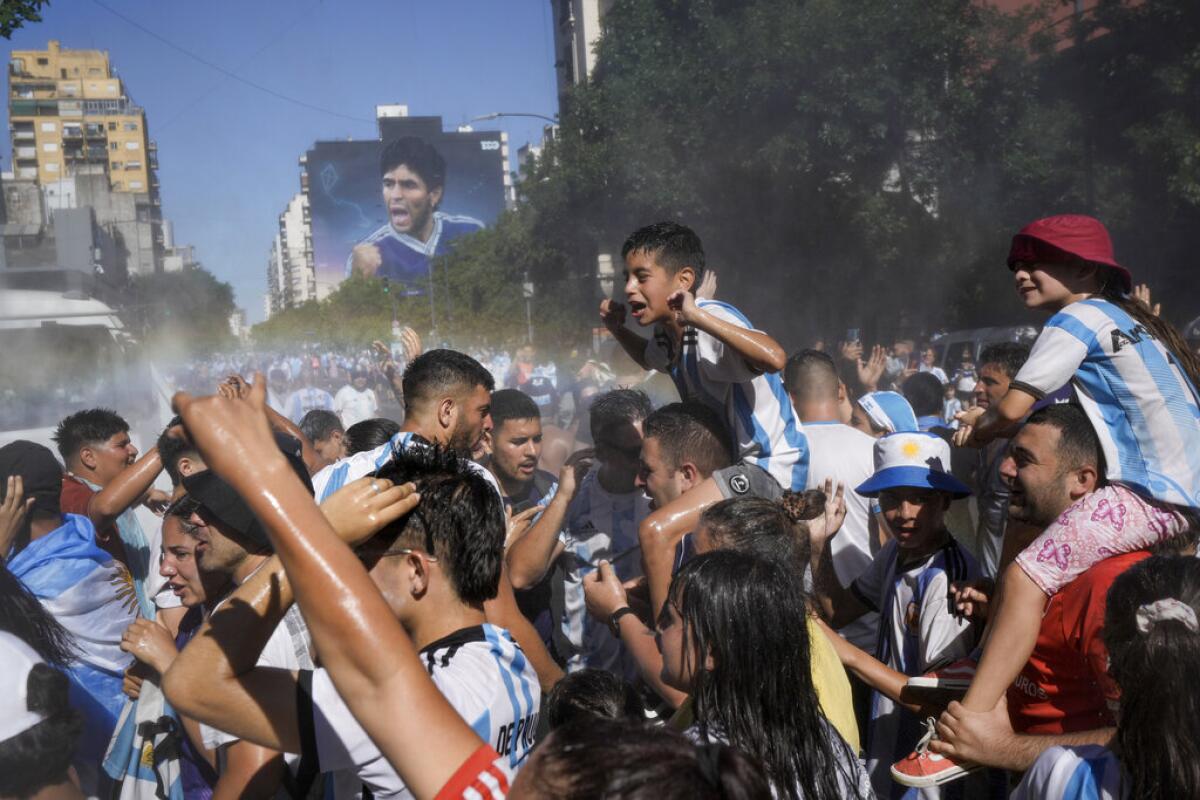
(594, 515)
(435, 567)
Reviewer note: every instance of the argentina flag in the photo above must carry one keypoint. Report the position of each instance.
(93, 597)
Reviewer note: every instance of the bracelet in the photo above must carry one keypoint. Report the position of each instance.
(614, 621)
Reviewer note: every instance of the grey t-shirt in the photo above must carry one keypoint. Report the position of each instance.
(747, 480)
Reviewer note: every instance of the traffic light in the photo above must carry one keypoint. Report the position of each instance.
(387, 286)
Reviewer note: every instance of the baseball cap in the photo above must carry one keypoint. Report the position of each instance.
(17, 660)
(890, 411)
(218, 499)
(40, 473)
(912, 460)
(1065, 238)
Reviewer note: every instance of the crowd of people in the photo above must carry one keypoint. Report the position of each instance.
(813, 575)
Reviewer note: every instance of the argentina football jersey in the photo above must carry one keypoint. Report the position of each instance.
(405, 258)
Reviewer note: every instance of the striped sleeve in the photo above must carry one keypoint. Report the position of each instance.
(483, 776)
(1056, 355)
(718, 361)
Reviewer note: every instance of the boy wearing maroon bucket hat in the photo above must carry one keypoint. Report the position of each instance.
(1136, 379)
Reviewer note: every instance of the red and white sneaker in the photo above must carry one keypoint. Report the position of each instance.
(942, 685)
(923, 767)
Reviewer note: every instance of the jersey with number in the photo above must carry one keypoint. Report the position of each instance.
(1138, 398)
(482, 672)
(918, 631)
(1087, 772)
(351, 468)
(755, 405)
(599, 525)
(406, 258)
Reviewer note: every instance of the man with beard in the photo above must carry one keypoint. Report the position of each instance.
(1063, 695)
(413, 181)
(447, 403)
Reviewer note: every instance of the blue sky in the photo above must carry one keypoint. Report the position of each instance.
(228, 153)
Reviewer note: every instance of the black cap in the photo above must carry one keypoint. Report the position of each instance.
(40, 473)
(218, 499)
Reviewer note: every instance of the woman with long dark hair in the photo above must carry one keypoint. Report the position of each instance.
(1152, 632)
(733, 634)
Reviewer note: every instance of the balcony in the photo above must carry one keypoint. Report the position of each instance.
(23, 136)
(72, 133)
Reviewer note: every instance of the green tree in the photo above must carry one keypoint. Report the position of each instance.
(15, 13)
(182, 312)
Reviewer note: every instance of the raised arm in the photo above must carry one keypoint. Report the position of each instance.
(370, 659)
(759, 350)
(124, 491)
(530, 556)
(661, 532)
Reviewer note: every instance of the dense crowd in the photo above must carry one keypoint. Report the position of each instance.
(700, 567)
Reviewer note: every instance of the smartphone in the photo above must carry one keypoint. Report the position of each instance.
(524, 505)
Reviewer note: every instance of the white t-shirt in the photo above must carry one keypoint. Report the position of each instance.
(755, 406)
(599, 525)
(480, 670)
(847, 456)
(290, 648)
(354, 406)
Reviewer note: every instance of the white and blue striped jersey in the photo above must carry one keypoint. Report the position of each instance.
(918, 631)
(765, 426)
(406, 258)
(599, 525)
(482, 672)
(1087, 772)
(306, 399)
(351, 468)
(1144, 409)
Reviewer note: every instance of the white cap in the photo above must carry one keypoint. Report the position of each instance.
(914, 460)
(17, 659)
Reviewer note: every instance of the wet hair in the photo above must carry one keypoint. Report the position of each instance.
(512, 404)
(1078, 445)
(437, 373)
(41, 756)
(760, 696)
(459, 520)
(754, 525)
(1008, 356)
(591, 694)
(419, 156)
(23, 615)
(1158, 727)
(319, 424)
(811, 375)
(171, 449)
(598, 759)
(618, 407)
(923, 391)
(369, 434)
(1166, 334)
(690, 432)
(83, 428)
(674, 247)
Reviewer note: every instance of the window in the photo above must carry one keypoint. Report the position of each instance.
(112, 126)
(50, 147)
(94, 72)
(114, 145)
(116, 165)
(135, 184)
(133, 165)
(52, 166)
(49, 127)
(43, 62)
(62, 73)
(131, 126)
(18, 65)
(132, 145)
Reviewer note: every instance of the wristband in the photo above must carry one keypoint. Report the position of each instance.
(614, 621)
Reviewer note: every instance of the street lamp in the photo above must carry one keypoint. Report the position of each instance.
(499, 114)
(527, 291)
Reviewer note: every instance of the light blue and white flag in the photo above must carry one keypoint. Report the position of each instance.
(143, 756)
(92, 596)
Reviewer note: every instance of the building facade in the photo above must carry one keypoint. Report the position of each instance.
(78, 135)
(291, 279)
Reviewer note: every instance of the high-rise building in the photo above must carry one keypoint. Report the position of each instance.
(577, 25)
(291, 279)
(71, 121)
